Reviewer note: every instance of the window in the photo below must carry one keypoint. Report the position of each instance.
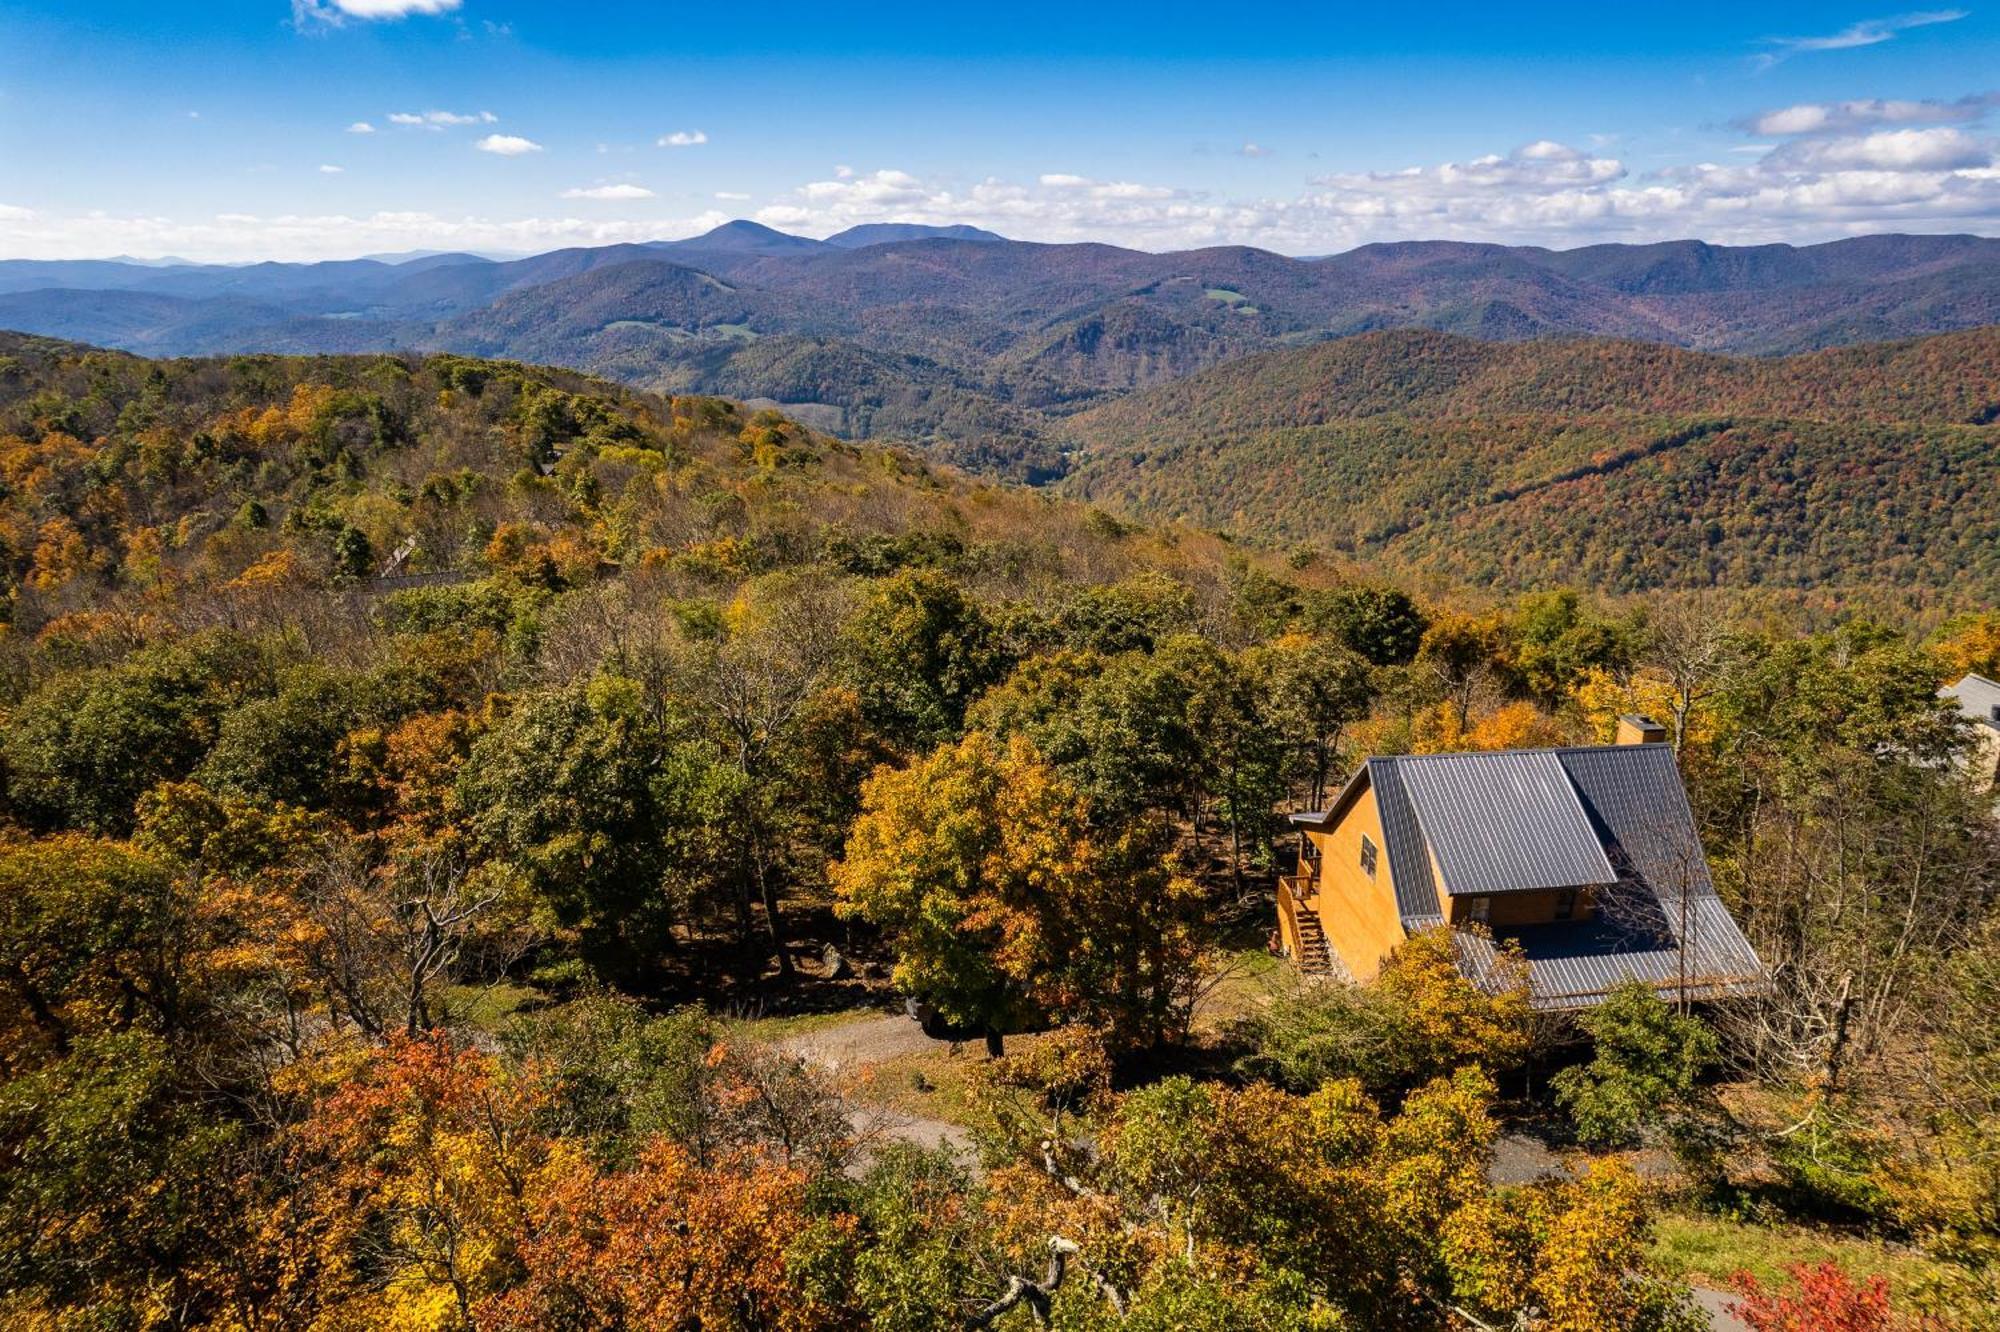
(1367, 856)
(1479, 909)
(1566, 904)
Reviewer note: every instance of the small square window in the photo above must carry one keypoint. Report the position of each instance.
(1367, 856)
(1479, 909)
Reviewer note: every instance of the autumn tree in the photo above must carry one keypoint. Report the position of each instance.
(981, 867)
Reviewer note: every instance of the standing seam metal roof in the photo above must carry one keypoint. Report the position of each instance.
(1504, 822)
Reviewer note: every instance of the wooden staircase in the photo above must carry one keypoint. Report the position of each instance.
(1313, 958)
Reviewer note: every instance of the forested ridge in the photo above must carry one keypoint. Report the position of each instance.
(1612, 464)
(978, 347)
(439, 795)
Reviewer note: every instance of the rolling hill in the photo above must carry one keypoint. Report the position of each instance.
(1612, 464)
(978, 345)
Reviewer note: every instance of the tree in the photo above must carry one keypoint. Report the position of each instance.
(1825, 1299)
(922, 651)
(82, 748)
(1380, 624)
(94, 936)
(1418, 1020)
(981, 867)
(1645, 1072)
(571, 791)
(1313, 691)
(112, 1196)
(758, 686)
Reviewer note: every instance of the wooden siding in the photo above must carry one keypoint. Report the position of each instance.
(1506, 910)
(1357, 913)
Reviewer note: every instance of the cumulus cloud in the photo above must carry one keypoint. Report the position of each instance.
(507, 145)
(328, 169)
(334, 13)
(731, 196)
(1821, 117)
(1879, 173)
(1868, 32)
(1940, 148)
(683, 139)
(609, 192)
(361, 127)
(1253, 150)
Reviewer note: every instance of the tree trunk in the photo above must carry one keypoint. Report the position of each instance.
(996, 1043)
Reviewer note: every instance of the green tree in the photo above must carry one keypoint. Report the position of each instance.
(575, 791)
(82, 748)
(1645, 1070)
(1381, 624)
(922, 651)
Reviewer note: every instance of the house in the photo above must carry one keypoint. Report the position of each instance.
(1587, 857)
(1979, 699)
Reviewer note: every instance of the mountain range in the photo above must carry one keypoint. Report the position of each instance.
(982, 347)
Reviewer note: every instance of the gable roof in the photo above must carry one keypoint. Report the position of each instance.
(1613, 817)
(1503, 822)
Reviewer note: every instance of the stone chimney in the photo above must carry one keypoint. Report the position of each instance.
(1634, 729)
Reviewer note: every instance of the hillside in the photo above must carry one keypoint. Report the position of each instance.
(999, 339)
(1613, 464)
(215, 485)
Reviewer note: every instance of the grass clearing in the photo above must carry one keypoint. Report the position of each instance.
(1711, 1250)
(488, 1007)
(778, 1026)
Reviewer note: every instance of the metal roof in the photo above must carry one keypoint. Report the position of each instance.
(1573, 965)
(1503, 822)
(1519, 818)
(1978, 698)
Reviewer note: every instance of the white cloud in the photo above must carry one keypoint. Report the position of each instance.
(609, 192)
(730, 196)
(334, 13)
(361, 127)
(1868, 32)
(1253, 150)
(1820, 117)
(1888, 174)
(439, 120)
(683, 139)
(1940, 148)
(328, 169)
(843, 173)
(507, 145)
(1543, 167)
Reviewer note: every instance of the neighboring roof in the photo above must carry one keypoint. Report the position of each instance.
(1503, 822)
(1611, 816)
(1977, 697)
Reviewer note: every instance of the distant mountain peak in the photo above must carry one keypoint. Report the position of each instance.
(894, 233)
(745, 235)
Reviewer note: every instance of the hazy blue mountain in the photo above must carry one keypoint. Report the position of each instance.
(893, 233)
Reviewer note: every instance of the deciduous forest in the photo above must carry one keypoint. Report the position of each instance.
(451, 807)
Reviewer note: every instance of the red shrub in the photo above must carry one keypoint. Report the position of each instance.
(1826, 1300)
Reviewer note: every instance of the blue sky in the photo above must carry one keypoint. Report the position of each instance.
(234, 129)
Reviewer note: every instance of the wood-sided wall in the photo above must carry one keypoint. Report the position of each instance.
(1358, 913)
